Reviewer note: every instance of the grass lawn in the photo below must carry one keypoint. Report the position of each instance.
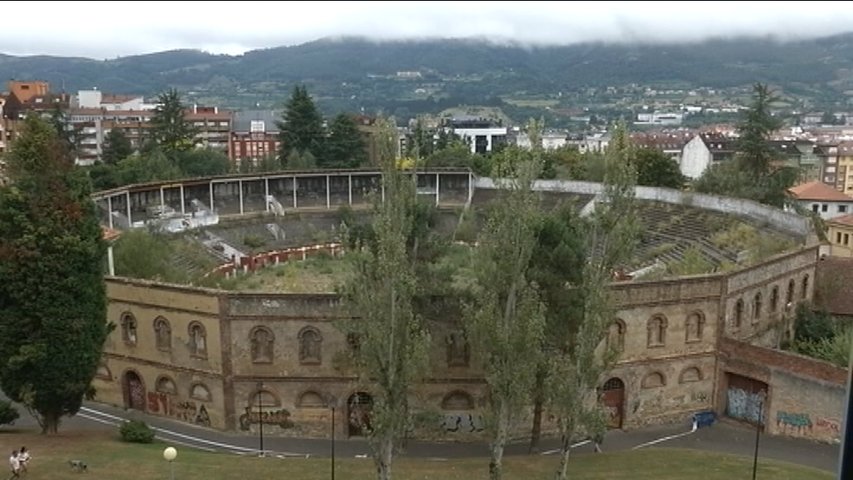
(110, 459)
(315, 274)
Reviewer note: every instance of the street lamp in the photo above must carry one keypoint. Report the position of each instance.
(170, 454)
(758, 425)
(260, 397)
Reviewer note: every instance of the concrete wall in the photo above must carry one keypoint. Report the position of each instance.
(805, 398)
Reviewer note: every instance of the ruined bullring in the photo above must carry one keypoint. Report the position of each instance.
(211, 352)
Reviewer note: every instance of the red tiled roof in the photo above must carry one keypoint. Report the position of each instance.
(846, 220)
(818, 191)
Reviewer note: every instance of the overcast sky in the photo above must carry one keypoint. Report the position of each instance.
(109, 29)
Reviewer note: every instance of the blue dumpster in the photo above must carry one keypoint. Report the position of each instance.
(705, 418)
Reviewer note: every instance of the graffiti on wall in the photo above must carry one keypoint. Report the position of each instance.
(744, 405)
(186, 411)
(830, 426)
(252, 416)
(798, 422)
(462, 423)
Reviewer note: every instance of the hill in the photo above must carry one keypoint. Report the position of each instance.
(354, 73)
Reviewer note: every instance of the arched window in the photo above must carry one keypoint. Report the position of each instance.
(163, 334)
(616, 335)
(128, 328)
(264, 398)
(789, 298)
(263, 342)
(198, 340)
(311, 399)
(774, 299)
(166, 385)
(654, 380)
(738, 312)
(693, 327)
(458, 350)
(199, 391)
(756, 307)
(690, 374)
(805, 293)
(457, 400)
(657, 331)
(310, 342)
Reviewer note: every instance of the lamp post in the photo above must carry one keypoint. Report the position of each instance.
(170, 454)
(332, 402)
(845, 461)
(261, 417)
(761, 398)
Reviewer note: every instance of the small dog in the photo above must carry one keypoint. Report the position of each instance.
(78, 465)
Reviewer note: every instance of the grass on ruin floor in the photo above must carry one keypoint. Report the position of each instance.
(110, 459)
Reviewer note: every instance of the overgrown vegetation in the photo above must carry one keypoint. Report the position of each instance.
(8, 413)
(136, 431)
(820, 335)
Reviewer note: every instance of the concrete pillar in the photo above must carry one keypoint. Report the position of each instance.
(436, 188)
(210, 185)
(129, 219)
(110, 262)
(470, 189)
(328, 193)
(183, 204)
(162, 199)
(294, 191)
(349, 187)
(110, 211)
(267, 193)
(240, 187)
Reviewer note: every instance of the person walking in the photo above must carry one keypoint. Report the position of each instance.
(597, 440)
(23, 460)
(14, 465)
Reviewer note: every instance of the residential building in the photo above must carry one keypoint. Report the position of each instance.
(482, 135)
(550, 140)
(839, 233)
(213, 125)
(844, 177)
(595, 142)
(670, 143)
(822, 199)
(254, 137)
(704, 150)
(827, 160)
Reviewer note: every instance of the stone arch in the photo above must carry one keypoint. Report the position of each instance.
(458, 349)
(756, 307)
(457, 400)
(311, 399)
(200, 392)
(654, 380)
(265, 398)
(163, 333)
(197, 339)
(128, 328)
(165, 384)
(690, 374)
(805, 287)
(310, 346)
(133, 389)
(774, 299)
(616, 335)
(694, 325)
(262, 341)
(657, 330)
(738, 313)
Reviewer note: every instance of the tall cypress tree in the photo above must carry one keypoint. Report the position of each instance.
(301, 127)
(168, 127)
(52, 297)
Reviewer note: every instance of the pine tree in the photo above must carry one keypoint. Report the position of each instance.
(301, 128)
(345, 144)
(116, 147)
(52, 265)
(169, 128)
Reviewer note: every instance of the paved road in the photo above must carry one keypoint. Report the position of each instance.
(722, 437)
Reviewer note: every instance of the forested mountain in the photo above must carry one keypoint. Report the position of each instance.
(354, 73)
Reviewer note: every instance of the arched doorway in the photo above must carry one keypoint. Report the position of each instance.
(613, 398)
(359, 406)
(134, 391)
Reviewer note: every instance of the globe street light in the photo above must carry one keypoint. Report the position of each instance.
(170, 454)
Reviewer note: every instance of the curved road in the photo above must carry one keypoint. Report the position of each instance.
(722, 437)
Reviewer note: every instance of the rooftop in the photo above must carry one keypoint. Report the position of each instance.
(818, 191)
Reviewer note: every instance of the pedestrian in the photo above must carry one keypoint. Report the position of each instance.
(15, 465)
(24, 459)
(597, 440)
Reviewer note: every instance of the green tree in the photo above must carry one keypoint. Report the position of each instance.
(53, 295)
(345, 146)
(505, 316)
(657, 169)
(147, 167)
(393, 342)
(139, 254)
(62, 127)
(421, 141)
(169, 127)
(577, 368)
(202, 162)
(301, 128)
(116, 147)
(754, 152)
(556, 264)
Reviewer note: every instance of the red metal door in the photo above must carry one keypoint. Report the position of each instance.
(613, 398)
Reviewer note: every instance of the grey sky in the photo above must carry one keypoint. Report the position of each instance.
(109, 29)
